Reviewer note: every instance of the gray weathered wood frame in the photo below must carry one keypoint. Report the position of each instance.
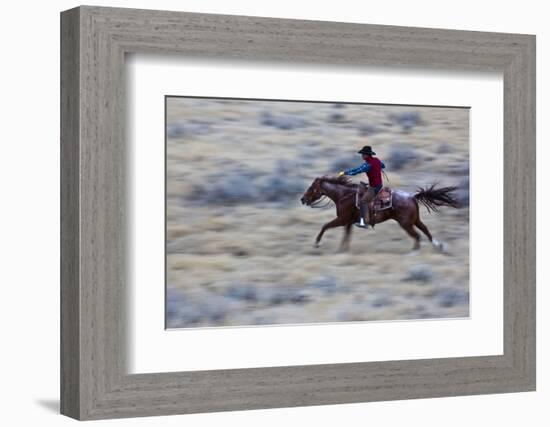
(94, 41)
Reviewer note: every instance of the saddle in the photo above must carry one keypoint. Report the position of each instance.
(383, 200)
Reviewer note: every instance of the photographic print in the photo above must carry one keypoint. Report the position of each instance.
(282, 212)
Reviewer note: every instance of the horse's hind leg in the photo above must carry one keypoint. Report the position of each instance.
(412, 232)
(422, 227)
(436, 243)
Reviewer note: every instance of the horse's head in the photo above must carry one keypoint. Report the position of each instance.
(313, 193)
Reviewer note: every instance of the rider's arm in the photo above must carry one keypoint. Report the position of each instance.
(365, 167)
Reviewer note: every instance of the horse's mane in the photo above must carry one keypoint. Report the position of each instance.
(340, 180)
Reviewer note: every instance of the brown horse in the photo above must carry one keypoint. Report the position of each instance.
(404, 210)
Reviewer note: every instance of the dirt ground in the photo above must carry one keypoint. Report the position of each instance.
(240, 244)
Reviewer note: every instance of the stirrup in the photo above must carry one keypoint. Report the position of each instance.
(361, 224)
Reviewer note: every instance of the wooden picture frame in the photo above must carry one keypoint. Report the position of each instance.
(94, 41)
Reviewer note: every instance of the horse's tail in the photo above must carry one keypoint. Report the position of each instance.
(433, 198)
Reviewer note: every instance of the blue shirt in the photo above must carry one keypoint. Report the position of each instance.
(365, 167)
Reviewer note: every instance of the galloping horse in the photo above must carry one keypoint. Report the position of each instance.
(404, 210)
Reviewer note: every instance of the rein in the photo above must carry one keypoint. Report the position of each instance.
(322, 203)
(318, 204)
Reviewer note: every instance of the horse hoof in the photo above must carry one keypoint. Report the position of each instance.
(317, 245)
(439, 246)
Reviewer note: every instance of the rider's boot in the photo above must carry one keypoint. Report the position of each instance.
(363, 214)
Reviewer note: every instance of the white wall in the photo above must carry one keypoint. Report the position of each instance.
(29, 173)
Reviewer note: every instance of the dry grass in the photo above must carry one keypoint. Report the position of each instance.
(240, 245)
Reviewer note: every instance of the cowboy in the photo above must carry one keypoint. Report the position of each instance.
(373, 168)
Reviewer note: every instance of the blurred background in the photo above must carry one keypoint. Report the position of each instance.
(239, 244)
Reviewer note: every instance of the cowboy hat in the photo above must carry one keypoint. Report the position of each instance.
(366, 150)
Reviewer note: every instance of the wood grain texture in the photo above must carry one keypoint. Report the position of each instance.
(94, 382)
(70, 292)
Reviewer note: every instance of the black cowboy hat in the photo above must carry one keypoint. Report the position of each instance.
(366, 150)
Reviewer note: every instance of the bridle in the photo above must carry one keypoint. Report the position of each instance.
(321, 202)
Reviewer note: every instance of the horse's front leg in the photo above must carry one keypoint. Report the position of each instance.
(336, 222)
(344, 245)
